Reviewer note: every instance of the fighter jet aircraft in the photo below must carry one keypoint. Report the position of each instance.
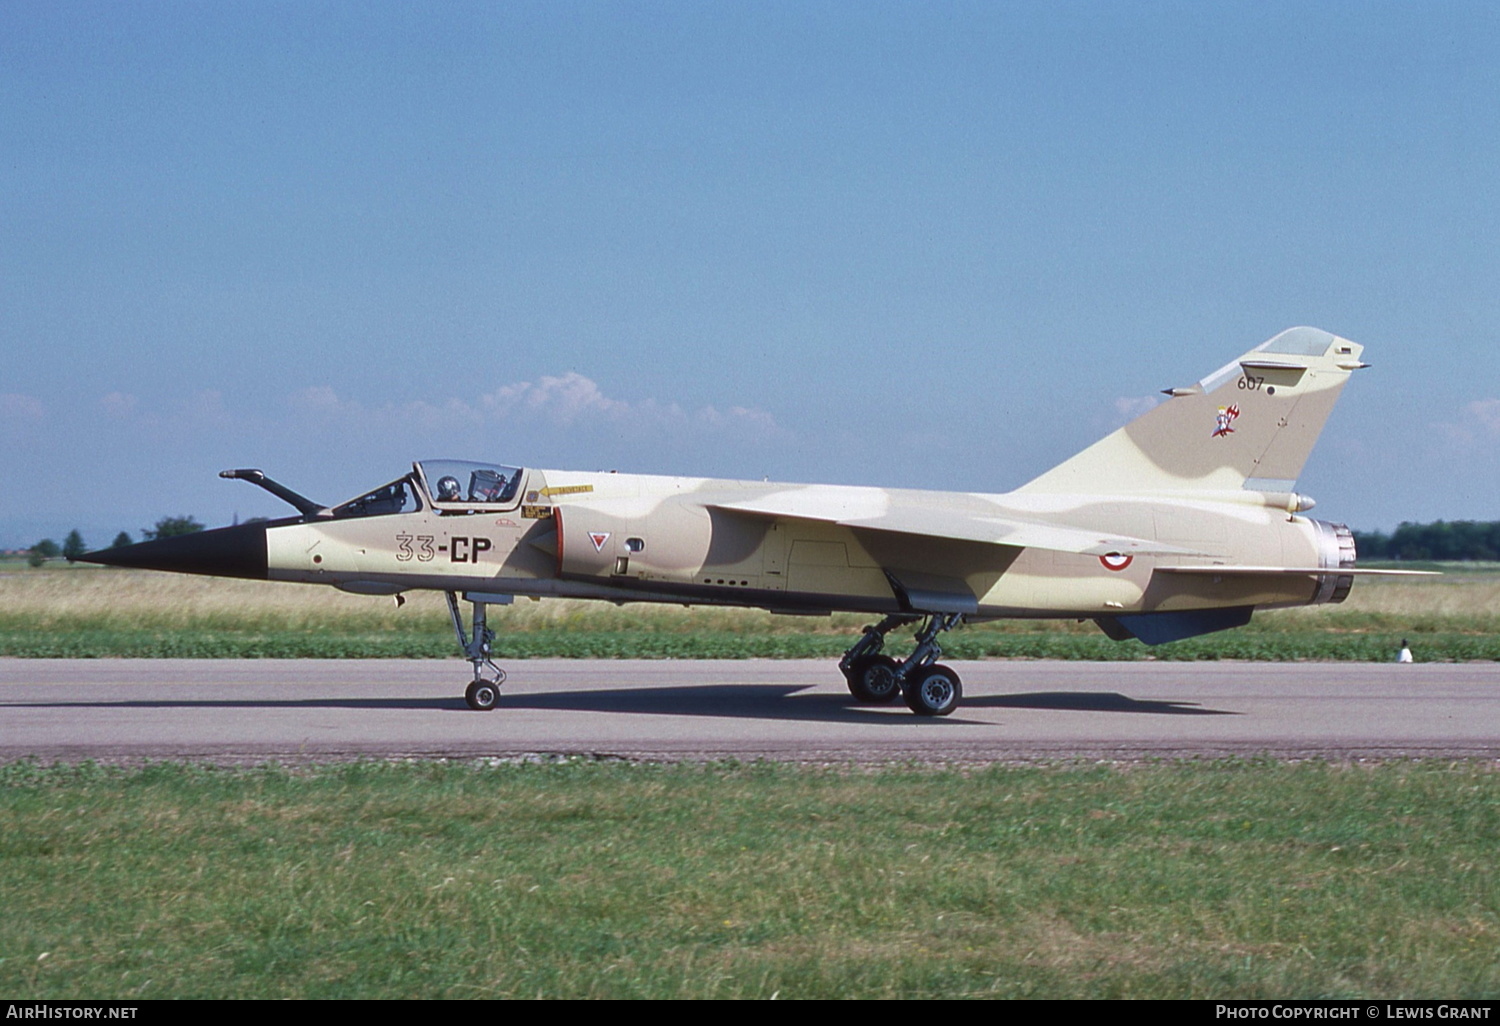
(1184, 521)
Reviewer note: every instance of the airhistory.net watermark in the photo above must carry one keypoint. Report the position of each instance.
(42, 1010)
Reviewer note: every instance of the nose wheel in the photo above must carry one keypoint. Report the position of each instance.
(483, 693)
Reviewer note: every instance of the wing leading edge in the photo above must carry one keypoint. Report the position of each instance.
(1218, 570)
(924, 522)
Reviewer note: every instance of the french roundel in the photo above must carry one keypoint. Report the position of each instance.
(1115, 560)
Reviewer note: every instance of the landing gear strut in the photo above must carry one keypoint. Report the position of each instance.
(871, 675)
(928, 687)
(483, 693)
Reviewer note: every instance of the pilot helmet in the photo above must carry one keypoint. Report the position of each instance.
(448, 490)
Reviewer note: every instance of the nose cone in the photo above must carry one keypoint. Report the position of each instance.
(238, 551)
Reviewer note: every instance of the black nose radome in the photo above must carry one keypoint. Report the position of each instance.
(238, 551)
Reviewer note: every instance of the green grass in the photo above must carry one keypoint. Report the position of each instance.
(975, 643)
(90, 612)
(1220, 880)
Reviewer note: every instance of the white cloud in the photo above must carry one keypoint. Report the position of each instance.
(567, 400)
(1478, 421)
(199, 411)
(435, 415)
(318, 399)
(1127, 408)
(563, 400)
(206, 406)
(1487, 413)
(15, 406)
(118, 404)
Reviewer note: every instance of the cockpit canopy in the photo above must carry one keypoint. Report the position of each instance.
(397, 497)
(446, 485)
(452, 484)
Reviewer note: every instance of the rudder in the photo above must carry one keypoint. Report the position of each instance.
(1249, 425)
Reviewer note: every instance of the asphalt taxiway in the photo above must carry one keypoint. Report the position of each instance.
(247, 711)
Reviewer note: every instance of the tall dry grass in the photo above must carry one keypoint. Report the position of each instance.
(1460, 600)
(54, 599)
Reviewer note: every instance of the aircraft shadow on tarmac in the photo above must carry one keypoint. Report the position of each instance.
(761, 701)
(736, 701)
(1093, 701)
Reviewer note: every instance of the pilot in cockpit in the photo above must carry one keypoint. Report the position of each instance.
(448, 491)
(487, 486)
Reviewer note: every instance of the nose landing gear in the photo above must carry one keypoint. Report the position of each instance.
(483, 693)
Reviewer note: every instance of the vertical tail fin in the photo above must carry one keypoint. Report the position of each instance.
(1249, 425)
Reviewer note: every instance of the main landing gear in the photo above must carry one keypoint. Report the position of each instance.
(928, 687)
(483, 693)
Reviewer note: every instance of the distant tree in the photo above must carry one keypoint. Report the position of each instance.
(42, 551)
(1372, 544)
(73, 545)
(1446, 540)
(123, 538)
(171, 527)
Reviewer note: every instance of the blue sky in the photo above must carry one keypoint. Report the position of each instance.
(938, 245)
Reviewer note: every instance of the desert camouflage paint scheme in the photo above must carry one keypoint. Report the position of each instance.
(1181, 523)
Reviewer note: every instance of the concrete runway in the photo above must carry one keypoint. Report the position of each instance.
(238, 711)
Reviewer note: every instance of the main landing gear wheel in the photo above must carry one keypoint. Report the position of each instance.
(482, 695)
(872, 679)
(929, 688)
(933, 691)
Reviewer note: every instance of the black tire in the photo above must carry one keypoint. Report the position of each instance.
(872, 679)
(933, 691)
(482, 696)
